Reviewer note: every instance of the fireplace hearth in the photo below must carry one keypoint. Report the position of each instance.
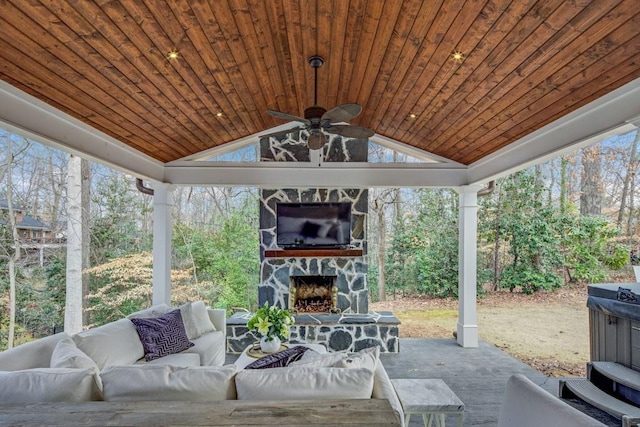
(313, 294)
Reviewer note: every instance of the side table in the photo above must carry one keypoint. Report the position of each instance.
(431, 398)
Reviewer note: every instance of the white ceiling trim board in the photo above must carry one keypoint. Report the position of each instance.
(327, 175)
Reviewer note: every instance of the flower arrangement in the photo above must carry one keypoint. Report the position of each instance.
(270, 322)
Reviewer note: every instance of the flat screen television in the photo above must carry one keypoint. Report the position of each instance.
(313, 225)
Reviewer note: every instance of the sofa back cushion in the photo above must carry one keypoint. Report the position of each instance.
(162, 382)
(211, 348)
(116, 343)
(34, 354)
(49, 385)
(304, 383)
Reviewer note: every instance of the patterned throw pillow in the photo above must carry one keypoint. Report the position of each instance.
(280, 359)
(162, 335)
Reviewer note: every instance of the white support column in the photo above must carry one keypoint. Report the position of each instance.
(162, 224)
(467, 266)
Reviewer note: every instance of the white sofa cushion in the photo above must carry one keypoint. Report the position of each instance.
(211, 348)
(157, 382)
(304, 383)
(34, 354)
(116, 343)
(49, 385)
(383, 389)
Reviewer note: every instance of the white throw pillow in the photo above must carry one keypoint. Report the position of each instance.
(116, 343)
(49, 385)
(189, 321)
(304, 383)
(67, 355)
(201, 319)
(157, 382)
(366, 358)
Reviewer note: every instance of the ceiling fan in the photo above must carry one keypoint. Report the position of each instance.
(317, 120)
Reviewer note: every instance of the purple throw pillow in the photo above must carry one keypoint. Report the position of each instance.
(280, 359)
(161, 336)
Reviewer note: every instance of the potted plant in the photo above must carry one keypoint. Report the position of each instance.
(272, 325)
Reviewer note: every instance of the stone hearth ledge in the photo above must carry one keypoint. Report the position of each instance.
(338, 332)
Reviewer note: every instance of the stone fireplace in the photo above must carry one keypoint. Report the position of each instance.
(325, 289)
(350, 272)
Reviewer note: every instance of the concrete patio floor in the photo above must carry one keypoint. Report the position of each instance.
(478, 376)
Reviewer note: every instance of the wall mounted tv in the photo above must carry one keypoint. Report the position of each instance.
(313, 225)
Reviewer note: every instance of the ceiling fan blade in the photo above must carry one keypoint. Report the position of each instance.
(350, 131)
(282, 132)
(342, 113)
(289, 117)
(316, 140)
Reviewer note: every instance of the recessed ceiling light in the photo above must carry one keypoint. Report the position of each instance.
(413, 116)
(457, 56)
(219, 115)
(173, 55)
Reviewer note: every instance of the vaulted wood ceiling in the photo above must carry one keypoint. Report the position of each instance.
(526, 63)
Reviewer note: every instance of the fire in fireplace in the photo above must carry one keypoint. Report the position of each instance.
(313, 294)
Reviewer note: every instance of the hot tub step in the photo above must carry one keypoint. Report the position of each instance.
(616, 372)
(585, 390)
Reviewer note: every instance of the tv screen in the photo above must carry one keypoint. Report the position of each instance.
(313, 225)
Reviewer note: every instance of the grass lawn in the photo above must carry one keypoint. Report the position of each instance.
(548, 330)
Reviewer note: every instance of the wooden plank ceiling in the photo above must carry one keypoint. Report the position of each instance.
(526, 63)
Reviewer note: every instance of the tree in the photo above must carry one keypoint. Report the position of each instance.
(74, 295)
(591, 196)
(11, 237)
(14, 252)
(590, 247)
(378, 204)
(527, 226)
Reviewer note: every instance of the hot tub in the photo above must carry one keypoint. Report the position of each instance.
(614, 323)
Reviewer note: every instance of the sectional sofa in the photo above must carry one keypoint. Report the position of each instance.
(114, 362)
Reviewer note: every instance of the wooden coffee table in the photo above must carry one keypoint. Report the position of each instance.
(361, 412)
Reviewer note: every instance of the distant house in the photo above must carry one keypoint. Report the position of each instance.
(30, 229)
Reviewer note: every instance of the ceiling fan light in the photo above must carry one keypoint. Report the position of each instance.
(316, 141)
